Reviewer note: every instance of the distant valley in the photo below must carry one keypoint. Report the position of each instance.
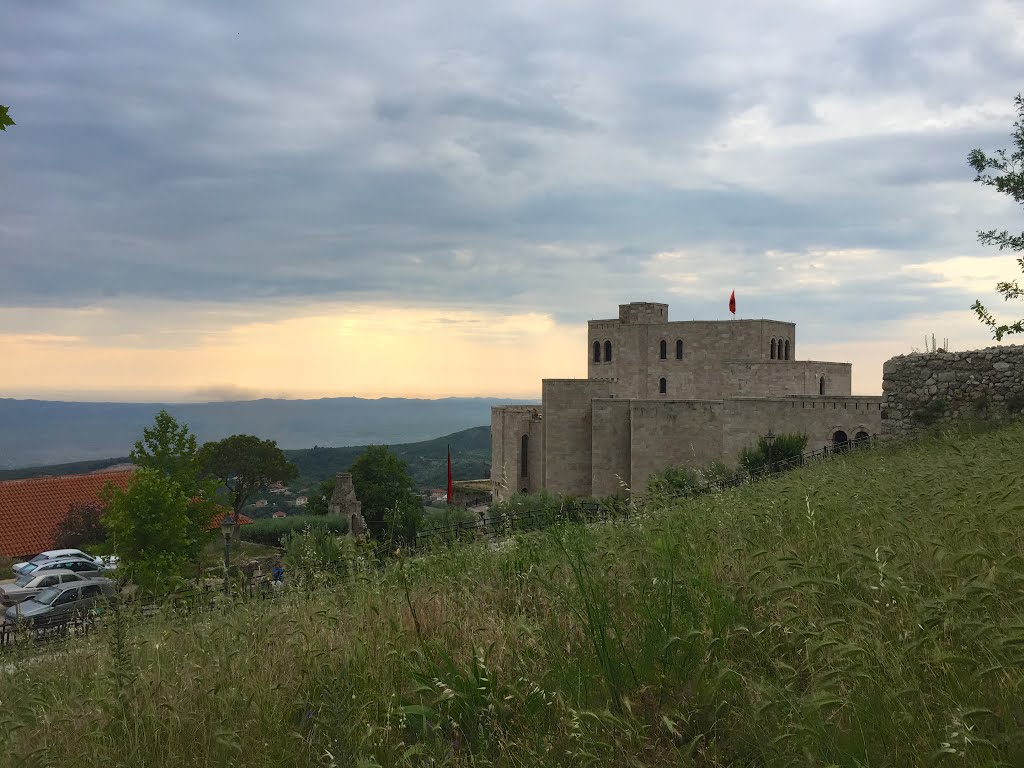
(34, 433)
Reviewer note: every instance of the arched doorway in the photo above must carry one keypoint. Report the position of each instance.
(840, 441)
(861, 438)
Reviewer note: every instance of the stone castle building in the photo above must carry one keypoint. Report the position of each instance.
(661, 394)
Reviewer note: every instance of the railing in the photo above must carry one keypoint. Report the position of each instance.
(209, 596)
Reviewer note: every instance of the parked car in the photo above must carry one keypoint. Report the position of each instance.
(60, 603)
(31, 584)
(49, 555)
(83, 566)
(108, 562)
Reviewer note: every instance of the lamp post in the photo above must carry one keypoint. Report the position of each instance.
(227, 528)
(769, 440)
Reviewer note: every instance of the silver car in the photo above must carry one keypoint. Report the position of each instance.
(55, 605)
(86, 566)
(62, 554)
(31, 584)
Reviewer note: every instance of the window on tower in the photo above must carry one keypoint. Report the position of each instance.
(773, 349)
(662, 386)
(597, 351)
(679, 349)
(607, 351)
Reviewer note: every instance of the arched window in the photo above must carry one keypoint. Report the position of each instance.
(597, 351)
(607, 351)
(664, 349)
(662, 386)
(524, 456)
(773, 349)
(679, 349)
(787, 349)
(821, 385)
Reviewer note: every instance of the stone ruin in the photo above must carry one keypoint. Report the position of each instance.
(344, 502)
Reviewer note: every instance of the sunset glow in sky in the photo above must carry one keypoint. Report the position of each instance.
(429, 199)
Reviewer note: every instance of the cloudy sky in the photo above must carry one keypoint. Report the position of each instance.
(206, 200)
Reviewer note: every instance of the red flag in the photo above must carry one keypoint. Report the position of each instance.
(732, 303)
(449, 474)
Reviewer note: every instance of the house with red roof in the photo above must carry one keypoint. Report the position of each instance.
(31, 510)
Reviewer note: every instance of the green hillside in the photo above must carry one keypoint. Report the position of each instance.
(71, 468)
(867, 611)
(427, 460)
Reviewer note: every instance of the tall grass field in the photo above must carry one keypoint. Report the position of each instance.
(868, 611)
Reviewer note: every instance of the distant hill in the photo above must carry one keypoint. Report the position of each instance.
(41, 432)
(427, 461)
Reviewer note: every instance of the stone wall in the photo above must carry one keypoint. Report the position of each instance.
(568, 439)
(775, 378)
(509, 424)
(920, 391)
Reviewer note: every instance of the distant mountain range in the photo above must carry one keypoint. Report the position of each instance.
(41, 432)
(426, 460)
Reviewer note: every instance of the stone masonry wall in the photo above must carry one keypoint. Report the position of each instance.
(923, 390)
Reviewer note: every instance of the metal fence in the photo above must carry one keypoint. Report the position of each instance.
(210, 595)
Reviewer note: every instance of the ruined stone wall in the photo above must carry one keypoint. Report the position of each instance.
(920, 391)
(509, 423)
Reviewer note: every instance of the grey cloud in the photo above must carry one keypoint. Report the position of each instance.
(192, 152)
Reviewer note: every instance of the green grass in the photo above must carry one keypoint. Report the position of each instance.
(271, 531)
(867, 611)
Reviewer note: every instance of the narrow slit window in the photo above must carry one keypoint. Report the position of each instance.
(773, 349)
(524, 457)
(607, 351)
(662, 386)
(787, 349)
(821, 385)
(664, 349)
(597, 351)
(679, 349)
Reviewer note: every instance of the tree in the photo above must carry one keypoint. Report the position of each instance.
(391, 507)
(1008, 178)
(319, 499)
(171, 449)
(150, 529)
(82, 526)
(5, 119)
(244, 464)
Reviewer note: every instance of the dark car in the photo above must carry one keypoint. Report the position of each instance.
(60, 603)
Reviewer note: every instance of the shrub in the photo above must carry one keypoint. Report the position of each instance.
(930, 412)
(272, 531)
(786, 451)
(672, 481)
(82, 527)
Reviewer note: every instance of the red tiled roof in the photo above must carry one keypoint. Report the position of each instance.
(215, 522)
(31, 510)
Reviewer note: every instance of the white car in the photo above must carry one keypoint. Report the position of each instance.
(28, 585)
(103, 563)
